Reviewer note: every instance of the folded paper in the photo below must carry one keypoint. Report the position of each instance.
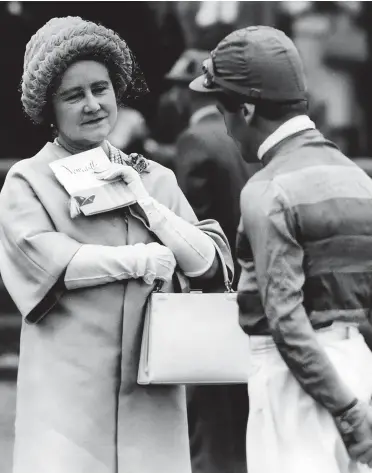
(77, 175)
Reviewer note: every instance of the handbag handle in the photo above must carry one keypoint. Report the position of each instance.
(226, 280)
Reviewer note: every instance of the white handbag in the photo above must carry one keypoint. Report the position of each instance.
(193, 338)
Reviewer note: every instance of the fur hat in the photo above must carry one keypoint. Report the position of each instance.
(60, 42)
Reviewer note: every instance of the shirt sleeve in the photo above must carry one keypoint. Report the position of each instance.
(278, 257)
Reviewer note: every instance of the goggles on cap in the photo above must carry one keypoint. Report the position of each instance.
(208, 72)
(227, 101)
(211, 81)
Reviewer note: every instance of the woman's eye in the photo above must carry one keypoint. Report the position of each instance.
(74, 97)
(99, 90)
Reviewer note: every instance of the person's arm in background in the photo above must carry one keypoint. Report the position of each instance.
(130, 127)
(194, 171)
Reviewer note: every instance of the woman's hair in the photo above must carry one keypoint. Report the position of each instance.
(60, 43)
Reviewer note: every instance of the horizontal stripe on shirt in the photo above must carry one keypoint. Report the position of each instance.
(251, 313)
(275, 227)
(327, 203)
(337, 216)
(347, 254)
(316, 179)
(250, 302)
(333, 296)
(337, 291)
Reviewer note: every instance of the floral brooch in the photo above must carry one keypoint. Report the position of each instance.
(138, 162)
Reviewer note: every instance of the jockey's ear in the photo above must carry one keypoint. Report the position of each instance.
(248, 111)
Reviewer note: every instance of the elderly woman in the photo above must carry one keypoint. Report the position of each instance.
(81, 284)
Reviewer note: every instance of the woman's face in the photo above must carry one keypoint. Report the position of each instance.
(85, 105)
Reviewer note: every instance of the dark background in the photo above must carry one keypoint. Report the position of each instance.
(158, 32)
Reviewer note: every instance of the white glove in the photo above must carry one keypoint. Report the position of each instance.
(129, 175)
(161, 263)
(193, 249)
(94, 265)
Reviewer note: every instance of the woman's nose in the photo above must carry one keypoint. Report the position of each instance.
(92, 105)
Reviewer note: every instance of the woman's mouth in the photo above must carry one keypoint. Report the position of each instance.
(94, 121)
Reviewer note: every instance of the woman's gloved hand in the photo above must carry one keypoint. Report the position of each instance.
(94, 265)
(129, 175)
(160, 265)
(194, 251)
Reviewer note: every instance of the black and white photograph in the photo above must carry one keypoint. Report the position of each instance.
(186, 236)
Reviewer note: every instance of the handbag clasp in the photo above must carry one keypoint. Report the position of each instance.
(228, 286)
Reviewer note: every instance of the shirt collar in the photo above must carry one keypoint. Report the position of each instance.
(288, 128)
(201, 113)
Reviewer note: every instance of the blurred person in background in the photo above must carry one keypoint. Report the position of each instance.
(171, 118)
(304, 246)
(211, 172)
(81, 284)
(198, 26)
(173, 112)
(333, 47)
(366, 21)
(130, 131)
(208, 165)
(204, 23)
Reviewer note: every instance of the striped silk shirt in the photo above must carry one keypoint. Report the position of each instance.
(305, 247)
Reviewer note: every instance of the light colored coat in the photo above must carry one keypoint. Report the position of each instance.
(79, 408)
